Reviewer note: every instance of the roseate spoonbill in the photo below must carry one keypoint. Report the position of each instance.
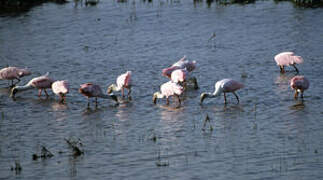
(168, 89)
(61, 88)
(123, 82)
(41, 83)
(299, 84)
(92, 90)
(11, 73)
(286, 59)
(225, 86)
(182, 76)
(181, 64)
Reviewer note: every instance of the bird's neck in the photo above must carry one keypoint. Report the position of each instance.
(23, 88)
(217, 92)
(158, 95)
(104, 96)
(114, 87)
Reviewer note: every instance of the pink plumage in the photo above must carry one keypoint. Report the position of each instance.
(60, 88)
(124, 80)
(167, 72)
(223, 86)
(90, 90)
(229, 85)
(179, 75)
(299, 84)
(286, 59)
(170, 89)
(11, 73)
(181, 64)
(41, 83)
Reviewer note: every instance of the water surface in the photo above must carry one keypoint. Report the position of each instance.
(269, 135)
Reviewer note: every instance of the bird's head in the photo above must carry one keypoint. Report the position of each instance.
(155, 97)
(202, 97)
(13, 92)
(110, 89)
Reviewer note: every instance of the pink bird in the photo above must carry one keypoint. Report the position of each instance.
(168, 89)
(225, 86)
(123, 82)
(41, 83)
(60, 88)
(286, 59)
(299, 84)
(181, 64)
(92, 90)
(11, 73)
(182, 76)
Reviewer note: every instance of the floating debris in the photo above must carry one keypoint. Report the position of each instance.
(74, 144)
(44, 154)
(17, 167)
(159, 163)
(212, 36)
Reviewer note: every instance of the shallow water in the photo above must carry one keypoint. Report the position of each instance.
(269, 135)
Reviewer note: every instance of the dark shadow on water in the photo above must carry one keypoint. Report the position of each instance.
(298, 106)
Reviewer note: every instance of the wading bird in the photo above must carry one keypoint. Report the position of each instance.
(299, 84)
(12, 73)
(181, 64)
(41, 83)
(123, 82)
(168, 89)
(90, 90)
(286, 59)
(61, 88)
(223, 86)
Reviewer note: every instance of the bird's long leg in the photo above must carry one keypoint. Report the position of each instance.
(13, 84)
(302, 94)
(282, 70)
(88, 102)
(46, 92)
(129, 92)
(62, 98)
(225, 98)
(236, 96)
(96, 102)
(122, 92)
(39, 92)
(167, 100)
(179, 99)
(195, 83)
(295, 68)
(296, 94)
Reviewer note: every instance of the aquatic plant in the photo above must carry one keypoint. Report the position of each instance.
(305, 3)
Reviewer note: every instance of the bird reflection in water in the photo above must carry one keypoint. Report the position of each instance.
(282, 81)
(59, 110)
(124, 110)
(171, 114)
